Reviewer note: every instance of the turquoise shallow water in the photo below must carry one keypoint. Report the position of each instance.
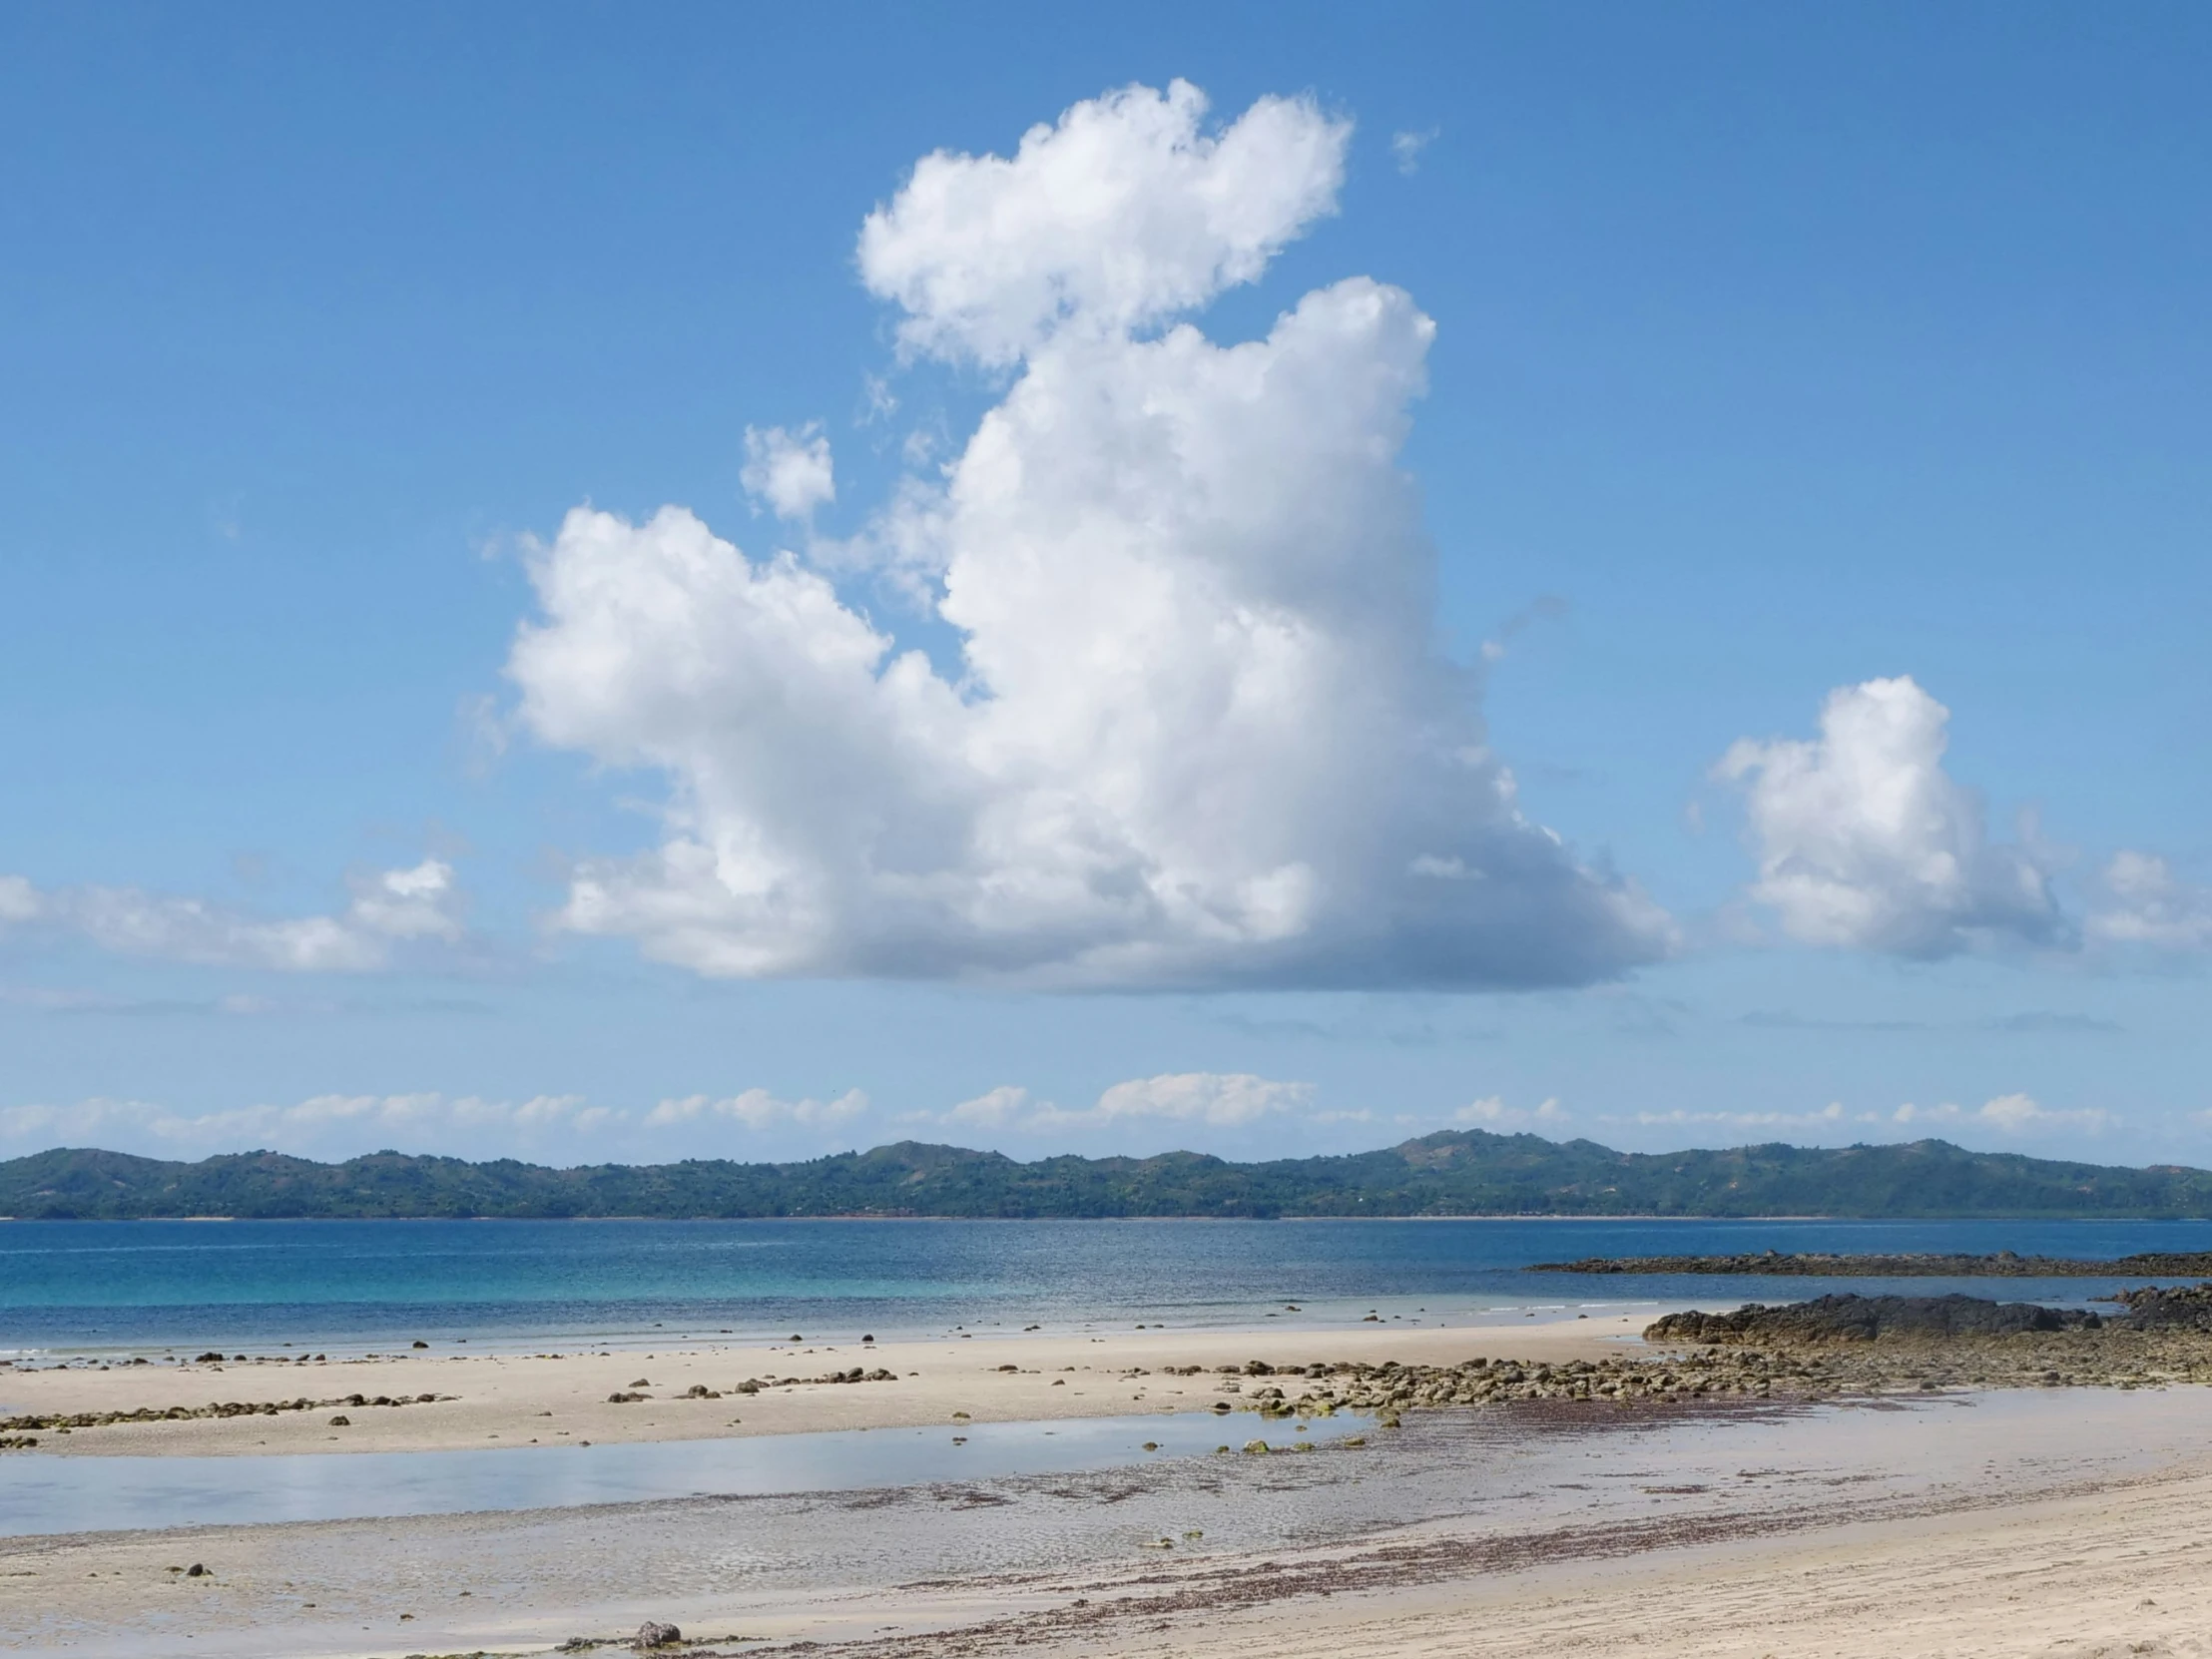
(119, 1286)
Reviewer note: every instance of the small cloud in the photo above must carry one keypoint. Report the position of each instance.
(791, 471)
(1214, 1099)
(1865, 840)
(1492, 1113)
(757, 1109)
(2146, 903)
(1406, 146)
(2011, 1114)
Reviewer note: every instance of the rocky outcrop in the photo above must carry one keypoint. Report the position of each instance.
(1861, 1319)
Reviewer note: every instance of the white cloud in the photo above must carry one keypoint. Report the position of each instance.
(1406, 146)
(1492, 1113)
(19, 900)
(1214, 1100)
(358, 1120)
(1199, 733)
(2011, 1115)
(416, 904)
(389, 905)
(993, 1109)
(2146, 903)
(344, 1125)
(791, 471)
(757, 1109)
(1123, 215)
(1864, 840)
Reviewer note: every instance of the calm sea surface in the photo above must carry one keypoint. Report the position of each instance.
(74, 1287)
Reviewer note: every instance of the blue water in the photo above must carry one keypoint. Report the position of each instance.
(121, 1285)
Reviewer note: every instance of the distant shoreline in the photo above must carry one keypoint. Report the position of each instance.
(1451, 1175)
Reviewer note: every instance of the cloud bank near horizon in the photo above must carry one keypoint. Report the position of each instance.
(1234, 1114)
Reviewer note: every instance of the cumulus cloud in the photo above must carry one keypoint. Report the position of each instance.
(342, 1125)
(1864, 840)
(359, 1120)
(757, 1109)
(1199, 731)
(1492, 1113)
(1214, 1100)
(2015, 1115)
(791, 471)
(1122, 214)
(2145, 903)
(389, 906)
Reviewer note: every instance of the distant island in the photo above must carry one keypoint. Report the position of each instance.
(2003, 1264)
(1454, 1173)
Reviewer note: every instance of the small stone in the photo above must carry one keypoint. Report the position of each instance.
(653, 1634)
(341, 1420)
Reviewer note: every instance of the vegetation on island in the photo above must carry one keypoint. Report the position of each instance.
(1454, 1173)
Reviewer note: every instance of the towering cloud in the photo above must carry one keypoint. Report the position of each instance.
(1200, 730)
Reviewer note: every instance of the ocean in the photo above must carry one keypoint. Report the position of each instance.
(100, 1288)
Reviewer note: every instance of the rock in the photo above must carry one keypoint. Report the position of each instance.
(1256, 1448)
(420, 1344)
(622, 1396)
(653, 1634)
(341, 1420)
(196, 1570)
(1848, 1319)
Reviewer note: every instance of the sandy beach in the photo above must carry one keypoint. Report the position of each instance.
(2019, 1522)
(523, 1400)
(2030, 1524)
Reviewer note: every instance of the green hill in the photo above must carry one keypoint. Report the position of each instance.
(1456, 1173)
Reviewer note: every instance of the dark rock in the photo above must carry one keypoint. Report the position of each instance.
(1858, 1318)
(653, 1634)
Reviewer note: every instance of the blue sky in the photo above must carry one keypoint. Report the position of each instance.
(1659, 385)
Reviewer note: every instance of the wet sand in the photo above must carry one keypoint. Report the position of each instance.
(2006, 1524)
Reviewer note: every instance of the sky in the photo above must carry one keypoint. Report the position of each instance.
(591, 582)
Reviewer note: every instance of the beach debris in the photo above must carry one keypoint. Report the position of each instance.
(653, 1634)
(1155, 1543)
(1152, 1445)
